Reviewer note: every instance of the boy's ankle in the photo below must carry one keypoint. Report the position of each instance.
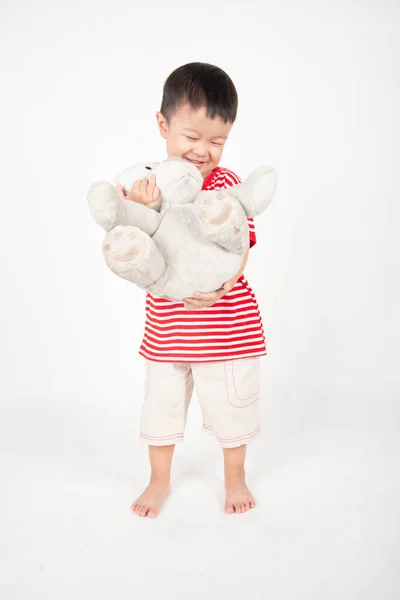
(160, 478)
(236, 474)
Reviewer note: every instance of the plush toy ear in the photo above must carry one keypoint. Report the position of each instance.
(256, 193)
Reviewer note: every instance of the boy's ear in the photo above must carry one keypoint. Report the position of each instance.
(162, 125)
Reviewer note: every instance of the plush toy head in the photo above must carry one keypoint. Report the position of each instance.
(179, 181)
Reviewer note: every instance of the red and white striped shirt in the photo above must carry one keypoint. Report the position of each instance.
(232, 328)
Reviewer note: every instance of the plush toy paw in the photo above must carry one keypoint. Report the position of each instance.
(223, 220)
(123, 245)
(104, 204)
(132, 254)
(215, 210)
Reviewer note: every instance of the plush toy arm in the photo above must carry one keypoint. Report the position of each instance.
(257, 192)
(147, 219)
(109, 210)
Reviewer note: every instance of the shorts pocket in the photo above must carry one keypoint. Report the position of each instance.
(243, 381)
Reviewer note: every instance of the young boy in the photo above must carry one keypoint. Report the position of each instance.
(212, 341)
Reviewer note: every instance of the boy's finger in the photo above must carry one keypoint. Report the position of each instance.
(150, 187)
(120, 191)
(153, 192)
(207, 297)
(136, 186)
(200, 303)
(190, 303)
(200, 300)
(143, 185)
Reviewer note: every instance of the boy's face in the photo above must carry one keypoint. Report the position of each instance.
(193, 136)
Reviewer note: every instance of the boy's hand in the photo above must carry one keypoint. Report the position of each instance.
(206, 300)
(143, 191)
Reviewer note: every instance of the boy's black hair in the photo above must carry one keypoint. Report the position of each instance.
(200, 84)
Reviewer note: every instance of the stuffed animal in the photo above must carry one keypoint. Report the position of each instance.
(188, 240)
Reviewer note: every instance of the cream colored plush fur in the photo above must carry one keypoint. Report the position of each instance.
(191, 240)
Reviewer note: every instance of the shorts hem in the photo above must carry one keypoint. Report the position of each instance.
(234, 442)
(161, 441)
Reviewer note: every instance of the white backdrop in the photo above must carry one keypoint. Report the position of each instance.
(319, 92)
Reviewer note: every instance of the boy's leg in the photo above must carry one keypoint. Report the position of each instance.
(168, 391)
(238, 496)
(229, 394)
(149, 503)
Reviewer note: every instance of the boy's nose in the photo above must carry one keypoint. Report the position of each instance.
(200, 151)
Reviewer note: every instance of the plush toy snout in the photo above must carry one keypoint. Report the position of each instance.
(178, 180)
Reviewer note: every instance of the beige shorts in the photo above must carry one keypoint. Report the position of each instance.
(228, 393)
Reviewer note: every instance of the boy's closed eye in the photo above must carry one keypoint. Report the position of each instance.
(196, 140)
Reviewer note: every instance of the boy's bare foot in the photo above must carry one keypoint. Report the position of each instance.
(149, 503)
(238, 496)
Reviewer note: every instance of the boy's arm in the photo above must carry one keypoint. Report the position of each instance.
(233, 281)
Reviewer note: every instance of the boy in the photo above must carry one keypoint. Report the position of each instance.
(213, 340)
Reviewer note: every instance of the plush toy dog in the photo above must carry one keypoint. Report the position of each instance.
(188, 240)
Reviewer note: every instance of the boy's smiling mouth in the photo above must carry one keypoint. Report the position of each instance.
(197, 163)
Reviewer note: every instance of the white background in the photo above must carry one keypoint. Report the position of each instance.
(319, 93)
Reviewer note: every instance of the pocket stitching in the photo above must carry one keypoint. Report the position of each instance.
(257, 394)
(234, 385)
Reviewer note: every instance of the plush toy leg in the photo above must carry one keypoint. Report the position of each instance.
(257, 192)
(104, 204)
(109, 210)
(132, 254)
(223, 220)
